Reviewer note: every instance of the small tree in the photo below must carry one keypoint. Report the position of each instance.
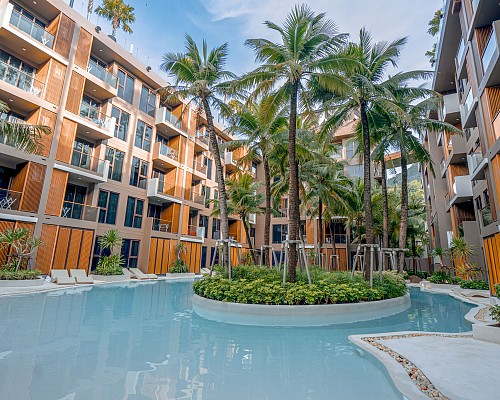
(120, 15)
(22, 244)
(179, 265)
(111, 264)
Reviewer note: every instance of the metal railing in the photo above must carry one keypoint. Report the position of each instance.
(21, 79)
(83, 160)
(10, 199)
(31, 28)
(94, 115)
(486, 216)
(102, 73)
(169, 152)
(162, 225)
(79, 211)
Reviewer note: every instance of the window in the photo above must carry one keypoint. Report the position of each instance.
(204, 223)
(207, 197)
(130, 253)
(108, 204)
(89, 109)
(121, 126)
(355, 171)
(74, 201)
(98, 253)
(139, 173)
(254, 168)
(280, 233)
(143, 134)
(16, 72)
(82, 153)
(216, 229)
(161, 139)
(148, 101)
(115, 158)
(125, 86)
(350, 149)
(209, 168)
(30, 17)
(133, 215)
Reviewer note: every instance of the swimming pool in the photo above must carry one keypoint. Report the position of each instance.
(142, 341)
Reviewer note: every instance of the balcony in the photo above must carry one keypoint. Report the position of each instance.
(93, 124)
(477, 163)
(230, 161)
(101, 83)
(168, 123)
(158, 192)
(160, 225)
(460, 60)
(486, 216)
(199, 170)
(85, 168)
(79, 211)
(165, 156)
(19, 88)
(490, 59)
(451, 109)
(194, 234)
(462, 189)
(197, 199)
(201, 141)
(468, 116)
(22, 33)
(456, 147)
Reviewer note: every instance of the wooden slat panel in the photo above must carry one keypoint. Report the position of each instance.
(30, 199)
(165, 258)
(86, 250)
(75, 242)
(47, 118)
(158, 255)
(45, 252)
(19, 180)
(482, 37)
(25, 225)
(61, 248)
(197, 254)
(83, 50)
(493, 96)
(152, 255)
(56, 192)
(75, 93)
(54, 82)
(64, 36)
(66, 140)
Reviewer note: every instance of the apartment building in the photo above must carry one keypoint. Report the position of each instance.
(463, 194)
(116, 158)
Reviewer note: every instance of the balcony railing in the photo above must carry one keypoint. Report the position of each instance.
(169, 152)
(489, 50)
(202, 137)
(161, 225)
(103, 74)
(200, 167)
(468, 102)
(86, 161)
(162, 188)
(460, 52)
(198, 199)
(10, 199)
(95, 116)
(21, 79)
(196, 231)
(486, 217)
(474, 161)
(79, 211)
(31, 28)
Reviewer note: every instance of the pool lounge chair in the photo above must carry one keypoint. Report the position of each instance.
(61, 277)
(126, 272)
(141, 275)
(80, 276)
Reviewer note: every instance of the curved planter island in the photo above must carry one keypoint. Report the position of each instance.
(22, 282)
(304, 315)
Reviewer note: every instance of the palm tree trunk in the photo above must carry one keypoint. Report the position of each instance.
(267, 223)
(385, 199)
(293, 223)
(320, 223)
(367, 195)
(115, 24)
(249, 239)
(214, 147)
(403, 227)
(89, 9)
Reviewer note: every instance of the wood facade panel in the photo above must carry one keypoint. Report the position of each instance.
(61, 250)
(482, 36)
(82, 54)
(64, 35)
(47, 118)
(30, 200)
(66, 140)
(86, 250)
(74, 245)
(45, 253)
(75, 93)
(492, 252)
(152, 255)
(57, 191)
(54, 82)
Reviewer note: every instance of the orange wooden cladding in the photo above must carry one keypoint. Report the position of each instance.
(83, 50)
(492, 252)
(75, 93)
(54, 82)
(57, 190)
(66, 139)
(64, 248)
(64, 36)
(187, 186)
(29, 182)
(495, 169)
(482, 35)
(161, 255)
(47, 118)
(493, 96)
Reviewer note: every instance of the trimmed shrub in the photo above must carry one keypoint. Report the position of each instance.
(495, 313)
(22, 274)
(179, 267)
(478, 285)
(444, 277)
(109, 265)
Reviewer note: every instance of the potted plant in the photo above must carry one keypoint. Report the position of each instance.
(110, 266)
(20, 245)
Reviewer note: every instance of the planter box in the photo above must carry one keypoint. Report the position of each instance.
(486, 333)
(22, 283)
(110, 278)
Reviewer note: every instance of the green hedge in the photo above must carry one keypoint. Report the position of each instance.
(258, 285)
(478, 285)
(22, 274)
(444, 277)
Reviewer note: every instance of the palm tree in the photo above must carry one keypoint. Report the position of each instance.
(201, 78)
(243, 200)
(260, 124)
(90, 7)
(307, 50)
(120, 15)
(110, 241)
(22, 136)
(364, 92)
(21, 244)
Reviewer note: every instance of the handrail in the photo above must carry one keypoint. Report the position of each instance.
(102, 73)
(86, 161)
(94, 115)
(21, 79)
(162, 225)
(169, 152)
(37, 32)
(79, 211)
(10, 199)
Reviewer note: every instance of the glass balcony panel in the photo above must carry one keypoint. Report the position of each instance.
(22, 80)
(79, 211)
(486, 217)
(169, 152)
(94, 115)
(488, 52)
(31, 28)
(101, 73)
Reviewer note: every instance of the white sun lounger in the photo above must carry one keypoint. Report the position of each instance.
(138, 273)
(61, 277)
(80, 276)
(126, 272)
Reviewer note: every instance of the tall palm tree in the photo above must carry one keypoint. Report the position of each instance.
(120, 15)
(364, 92)
(307, 49)
(201, 78)
(23, 136)
(90, 8)
(261, 124)
(243, 200)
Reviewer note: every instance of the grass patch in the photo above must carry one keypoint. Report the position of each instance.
(22, 274)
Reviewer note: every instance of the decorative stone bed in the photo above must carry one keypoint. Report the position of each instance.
(21, 282)
(303, 315)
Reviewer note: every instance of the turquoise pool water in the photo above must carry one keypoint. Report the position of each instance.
(142, 341)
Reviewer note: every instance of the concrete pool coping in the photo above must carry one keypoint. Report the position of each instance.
(300, 315)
